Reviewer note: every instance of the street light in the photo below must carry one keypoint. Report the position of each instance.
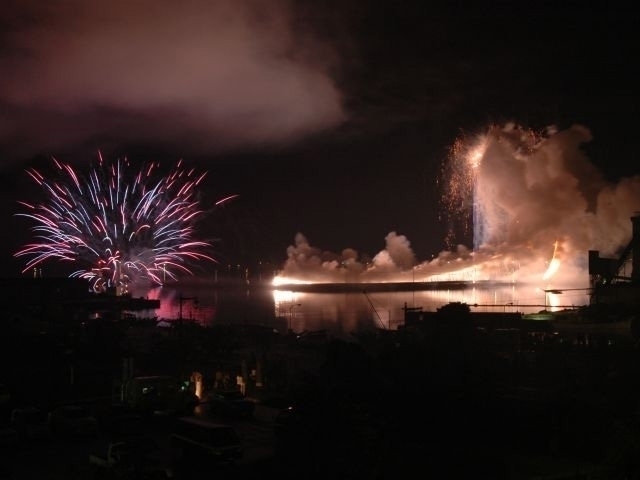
(293, 305)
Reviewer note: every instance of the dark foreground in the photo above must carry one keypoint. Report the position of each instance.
(448, 401)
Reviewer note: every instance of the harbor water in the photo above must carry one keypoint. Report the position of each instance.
(340, 314)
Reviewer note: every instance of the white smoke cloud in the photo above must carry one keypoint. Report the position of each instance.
(205, 74)
(540, 205)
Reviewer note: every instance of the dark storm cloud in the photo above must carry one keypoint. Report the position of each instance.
(210, 75)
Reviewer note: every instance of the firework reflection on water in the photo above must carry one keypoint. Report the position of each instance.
(340, 314)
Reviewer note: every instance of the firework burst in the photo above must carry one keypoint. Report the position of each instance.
(121, 225)
(459, 176)
(466, 200)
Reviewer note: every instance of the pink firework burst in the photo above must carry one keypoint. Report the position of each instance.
(121, 225)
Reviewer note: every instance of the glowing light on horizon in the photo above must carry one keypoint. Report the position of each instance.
(283, 280)
(121, 226)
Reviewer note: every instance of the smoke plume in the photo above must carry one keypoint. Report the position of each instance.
(536, 206)
(205, 75)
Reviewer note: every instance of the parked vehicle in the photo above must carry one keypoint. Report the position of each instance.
(194, 440)
(159, 394)
(30, 423)
(113, 457)
(137, 457)
(118, 422)
(288, 420)
(5, 395)
(297, 428)
(292, 428)
(7, 401)
(73, 421)
(230, 403)
(8, 437)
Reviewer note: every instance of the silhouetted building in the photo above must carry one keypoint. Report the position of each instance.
(616, 281)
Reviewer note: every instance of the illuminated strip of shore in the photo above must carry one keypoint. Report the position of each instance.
(386, 286)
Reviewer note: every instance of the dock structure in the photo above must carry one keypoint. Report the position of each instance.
(65, 298)
(114, 303)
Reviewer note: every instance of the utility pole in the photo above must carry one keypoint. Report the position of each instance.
(184, 299)
(293, 305)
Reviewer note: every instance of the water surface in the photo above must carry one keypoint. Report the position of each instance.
(340, 314)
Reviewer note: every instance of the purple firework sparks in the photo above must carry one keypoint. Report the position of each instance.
(123, 229)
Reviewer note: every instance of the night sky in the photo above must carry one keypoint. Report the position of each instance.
(328, 118)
